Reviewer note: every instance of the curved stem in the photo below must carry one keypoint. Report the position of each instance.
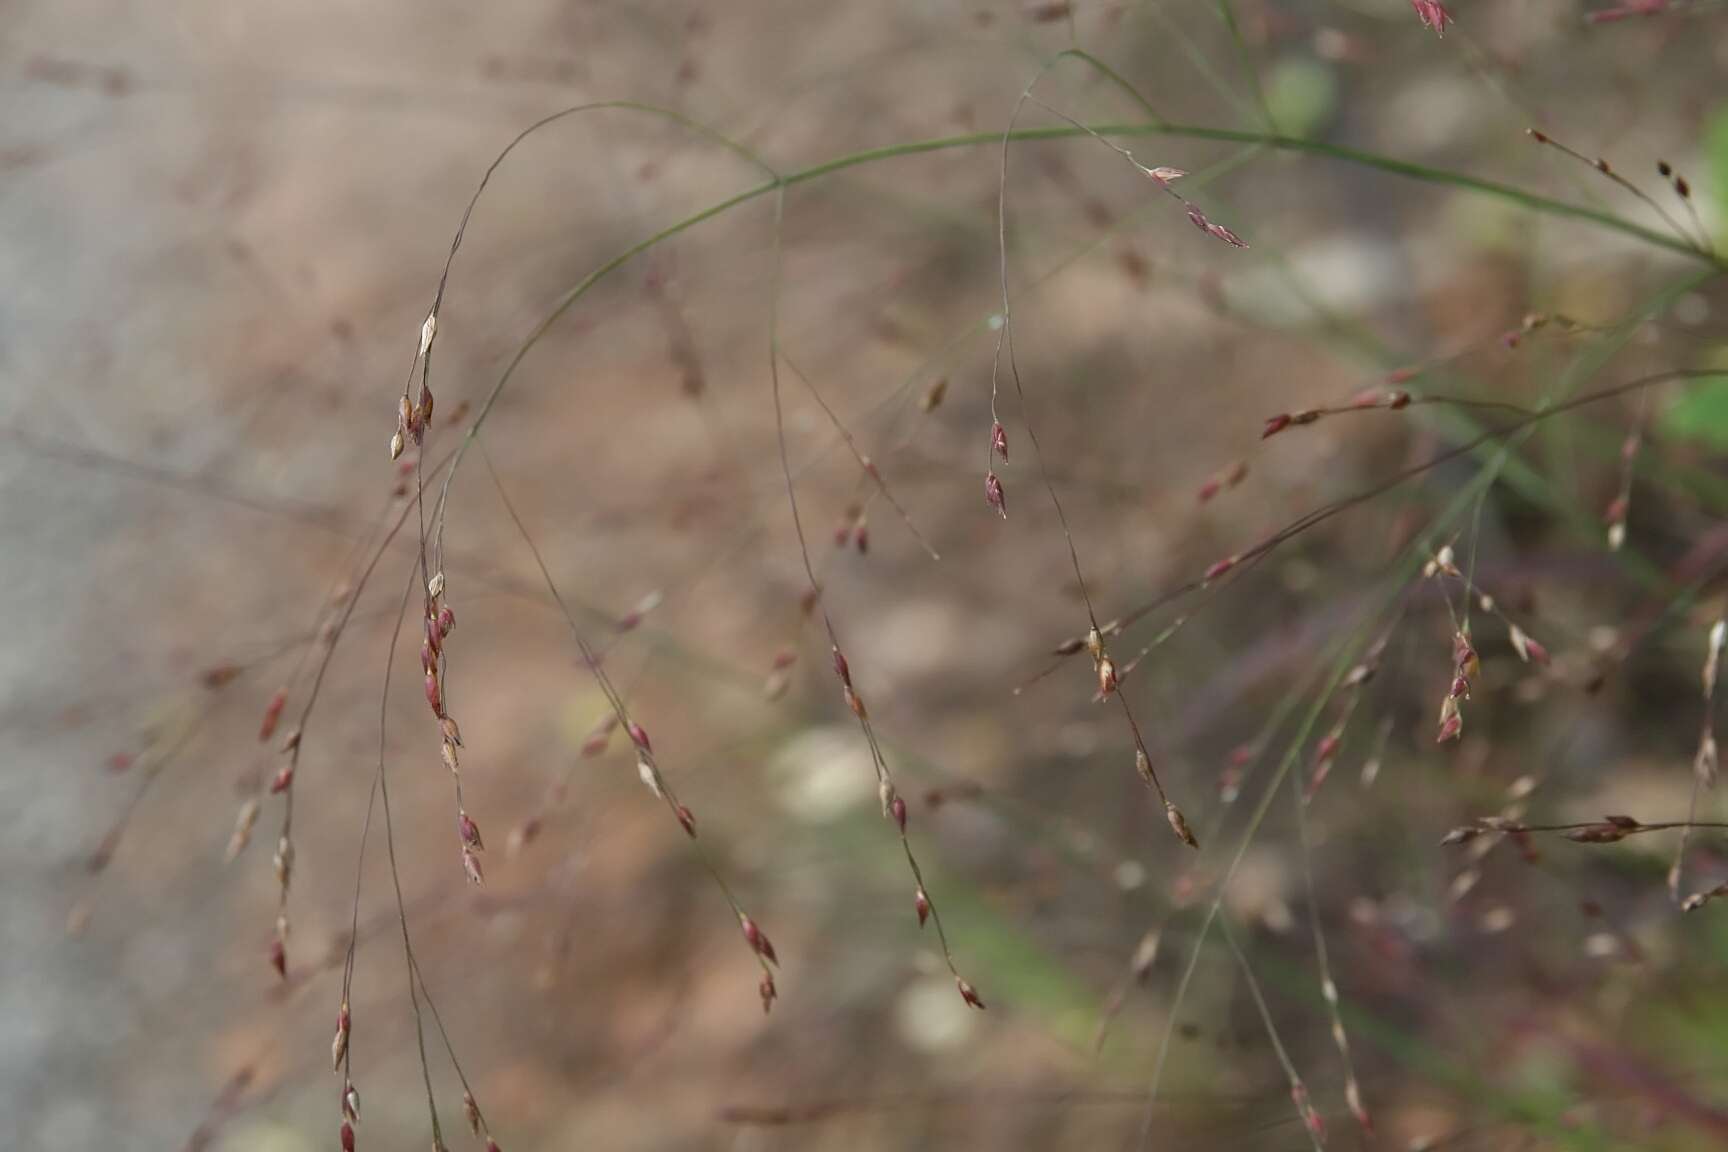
(1529, 200)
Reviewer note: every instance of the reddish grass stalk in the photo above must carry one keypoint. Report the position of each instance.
(1311, 1119)
(866, 465)
(893, 805)
(1325, 512)
(1608, 830)
(283, 781)
(341, 1045)
(1104, 665)
(647, 764)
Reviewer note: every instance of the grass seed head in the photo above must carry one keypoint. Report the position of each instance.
(1106, 677)
(1219, 569)
(471, 867)
(469, 831)
(1434, 15)
(339, 1045)
(757, 939)
(646, 773)
(994, 496)
(272, 715)
(243, 825)
(1179, 825)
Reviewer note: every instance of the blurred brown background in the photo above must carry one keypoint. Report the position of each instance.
(221, 225)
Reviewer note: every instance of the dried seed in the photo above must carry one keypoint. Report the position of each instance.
(1179, 825)
(471, 867)
(243, 824)
(339, 1045)
(994, 496)
(469, 831)
(1106, 677)
(757, 939)
(272, 715)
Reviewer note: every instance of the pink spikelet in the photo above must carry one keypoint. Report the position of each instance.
(1216, 231)
(757, 939)
(272, 715)
(1433, 15)
(994, 496)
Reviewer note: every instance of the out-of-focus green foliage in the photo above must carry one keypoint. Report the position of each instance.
(1701, 412)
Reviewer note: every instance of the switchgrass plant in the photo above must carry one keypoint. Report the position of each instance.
(1446, 581)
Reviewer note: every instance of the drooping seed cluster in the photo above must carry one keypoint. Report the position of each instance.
(894, 810)
(414, 417)
(1465, 663)
(1355, 683)
(1465, 666)
(993, 494)
(437, 621)
(1104, 667)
